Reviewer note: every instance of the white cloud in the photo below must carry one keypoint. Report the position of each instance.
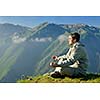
(62, 38)
(17, 39)
(45, 39)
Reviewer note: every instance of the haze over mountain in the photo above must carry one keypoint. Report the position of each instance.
(28, 51)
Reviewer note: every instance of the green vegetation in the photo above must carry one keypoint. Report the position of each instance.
(90, 78)
(11, 52)
(8, 59)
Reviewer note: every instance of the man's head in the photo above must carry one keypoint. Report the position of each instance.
(73, 38)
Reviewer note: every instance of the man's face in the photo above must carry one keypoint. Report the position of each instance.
(71, 41)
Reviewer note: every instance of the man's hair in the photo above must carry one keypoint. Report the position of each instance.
(75, 36)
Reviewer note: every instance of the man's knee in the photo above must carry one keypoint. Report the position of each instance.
(67, 71)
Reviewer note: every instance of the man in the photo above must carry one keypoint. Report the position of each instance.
(74, 63)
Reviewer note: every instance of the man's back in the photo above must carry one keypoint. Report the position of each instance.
(75, 61)
(78, 54)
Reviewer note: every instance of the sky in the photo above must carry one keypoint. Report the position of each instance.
(32, 21)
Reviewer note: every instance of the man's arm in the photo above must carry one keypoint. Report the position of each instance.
(62, 57)
(75, 57)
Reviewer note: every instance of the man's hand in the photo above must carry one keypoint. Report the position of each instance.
(53, 64)
(55, 57)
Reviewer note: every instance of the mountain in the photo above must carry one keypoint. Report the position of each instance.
(48, 30)
(8, 29)
(28, 51)
(26, 45)
(90, 36)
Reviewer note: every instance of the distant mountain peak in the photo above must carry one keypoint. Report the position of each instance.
(79, 25)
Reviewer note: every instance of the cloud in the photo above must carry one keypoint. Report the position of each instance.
(17, 39)
(62, 38)
(45, 39)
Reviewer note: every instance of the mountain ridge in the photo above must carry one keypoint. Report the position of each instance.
(36, 45)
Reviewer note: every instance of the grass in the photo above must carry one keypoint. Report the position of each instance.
(90, 78)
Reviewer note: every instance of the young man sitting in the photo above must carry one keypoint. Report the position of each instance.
(72, 64)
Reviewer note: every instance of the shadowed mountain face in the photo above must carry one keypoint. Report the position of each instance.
(28, 51)
(90, 36)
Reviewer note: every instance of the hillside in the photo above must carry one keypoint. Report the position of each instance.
(8, 29)
(28, 51)
(90, 78)
(90, 37)
(25, 45)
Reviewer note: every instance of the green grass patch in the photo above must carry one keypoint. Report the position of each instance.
(90, 78)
